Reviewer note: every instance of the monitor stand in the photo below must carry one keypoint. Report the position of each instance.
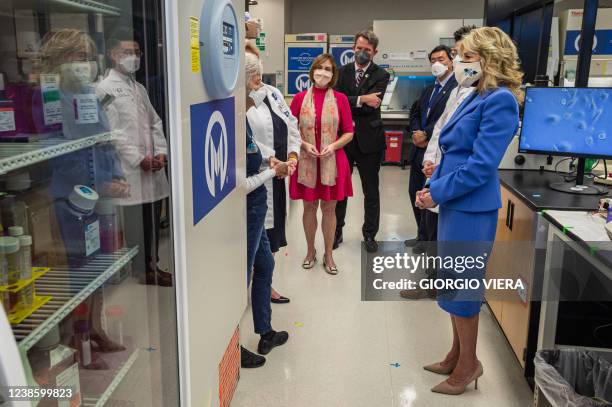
(574, 188)
(578, 187)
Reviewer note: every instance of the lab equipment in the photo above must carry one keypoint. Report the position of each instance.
(9, 249)
(25, 252)
(300, 51)
(79, 225)
(402, 91)
(220, 46)
(341, 47)
(568, 122)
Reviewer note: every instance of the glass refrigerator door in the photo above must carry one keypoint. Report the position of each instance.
(87, 301)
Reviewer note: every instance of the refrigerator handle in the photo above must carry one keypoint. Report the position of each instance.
(11, 367)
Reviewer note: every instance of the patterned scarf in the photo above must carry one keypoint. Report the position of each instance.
(307, 174)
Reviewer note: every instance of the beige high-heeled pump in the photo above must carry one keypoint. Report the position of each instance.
(440, 369)
(454, 390)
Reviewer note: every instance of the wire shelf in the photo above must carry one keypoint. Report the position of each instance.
(68, 288)
(121, 372)
(14, 156)
(92, 6)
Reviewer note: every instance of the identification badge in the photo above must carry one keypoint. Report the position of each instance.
(252, 148)
(86, 108)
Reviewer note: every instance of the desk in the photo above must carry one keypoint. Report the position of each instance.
(525, 194)
(583, 233)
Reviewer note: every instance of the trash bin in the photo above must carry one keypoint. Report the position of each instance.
(573, 378)
(393, 153)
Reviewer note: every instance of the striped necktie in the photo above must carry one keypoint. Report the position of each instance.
(359, 77)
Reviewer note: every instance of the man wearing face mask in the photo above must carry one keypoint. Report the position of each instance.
(424, 115)
(364, 83)
(142, 148)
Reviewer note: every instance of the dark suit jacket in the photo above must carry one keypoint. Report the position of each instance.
(369, 133)
(419, 109)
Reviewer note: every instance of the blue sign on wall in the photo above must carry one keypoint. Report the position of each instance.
(213, 154)
(343, 55)
(602, 44)
(300, 58)
(297, 82)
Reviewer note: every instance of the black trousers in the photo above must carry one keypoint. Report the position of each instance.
(429, 225)
(368, 166)
(141, 228)
(416, 183)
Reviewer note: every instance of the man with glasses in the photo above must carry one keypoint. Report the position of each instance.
(139, 139)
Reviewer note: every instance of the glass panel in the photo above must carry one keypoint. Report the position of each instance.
(84, 199)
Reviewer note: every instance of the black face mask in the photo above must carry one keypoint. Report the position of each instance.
(362, 57)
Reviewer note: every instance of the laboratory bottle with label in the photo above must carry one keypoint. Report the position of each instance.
(111, 238)
(82, 342)
(7, 112)
(9, 267)
(79, 225)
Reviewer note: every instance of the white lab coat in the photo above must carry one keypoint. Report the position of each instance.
(433, 153)
(137, 132)
(264, 135)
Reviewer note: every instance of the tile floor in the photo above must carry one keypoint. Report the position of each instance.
(344, 352)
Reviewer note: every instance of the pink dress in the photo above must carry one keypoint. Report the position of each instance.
(344, 185)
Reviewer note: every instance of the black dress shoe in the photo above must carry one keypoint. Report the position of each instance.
(420, 247)
(280, 300)
(337, 241)
(249, 360)
(271, 340)
(411, 242)
(371, 245)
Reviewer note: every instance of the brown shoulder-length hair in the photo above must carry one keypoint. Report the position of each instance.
(318, 62)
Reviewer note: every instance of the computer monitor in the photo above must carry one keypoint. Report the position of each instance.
(572, 122)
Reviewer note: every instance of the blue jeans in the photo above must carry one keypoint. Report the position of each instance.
(260, 263)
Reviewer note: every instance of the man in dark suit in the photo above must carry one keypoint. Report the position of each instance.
(424, 114)
(364, 83)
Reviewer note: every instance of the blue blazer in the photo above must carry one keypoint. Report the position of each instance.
(473, 144)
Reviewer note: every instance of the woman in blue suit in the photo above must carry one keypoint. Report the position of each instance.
(465, 186)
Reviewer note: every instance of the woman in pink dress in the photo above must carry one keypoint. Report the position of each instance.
(323, 174)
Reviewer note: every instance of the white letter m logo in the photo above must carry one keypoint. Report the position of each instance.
(215, 157)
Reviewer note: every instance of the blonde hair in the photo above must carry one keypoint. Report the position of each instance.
(59, 45)
(499, 59)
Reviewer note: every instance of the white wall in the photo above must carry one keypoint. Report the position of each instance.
(272, 13)
(350, 16)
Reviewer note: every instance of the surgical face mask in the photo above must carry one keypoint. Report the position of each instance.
(130, 63)
(322, 77)
(438, 69)
(362, 57)
(467, 73)
(258, 95)
(78, 73)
